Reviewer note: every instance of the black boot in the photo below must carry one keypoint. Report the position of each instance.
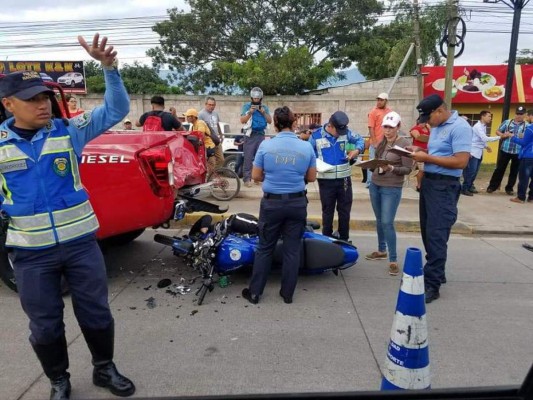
(105, 374)
(54, 359)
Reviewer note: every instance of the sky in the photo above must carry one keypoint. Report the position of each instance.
(25, 26)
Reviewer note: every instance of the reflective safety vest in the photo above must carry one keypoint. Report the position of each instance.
(332, 152)
(42, 192)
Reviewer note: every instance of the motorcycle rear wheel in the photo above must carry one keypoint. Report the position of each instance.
(225, 184)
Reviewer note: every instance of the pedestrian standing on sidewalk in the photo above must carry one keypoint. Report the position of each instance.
(282, 164)
(375, 118)
(52, 224)
(479, 143)
(256, 116)
(525, 172)
(448, 153)
(508, 152)
(386, 189)
(335, 184)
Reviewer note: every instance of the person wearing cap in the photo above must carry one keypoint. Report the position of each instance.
(335, 184)
(52, 225)
(508, 152)
(198, 125)
(479, 143)
(282, 164)
(256, 116)
(375, 131)
(386, 189)
(167, 121)
(127, 125)
(450, 141)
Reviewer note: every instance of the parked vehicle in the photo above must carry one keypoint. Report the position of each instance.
(132, 179)
(229, 246)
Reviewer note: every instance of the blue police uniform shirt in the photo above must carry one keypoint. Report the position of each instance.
(353, 138)
(451, 137)
(259, 122)
(285, 160)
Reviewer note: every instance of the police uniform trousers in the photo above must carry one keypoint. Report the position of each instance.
(250, 146)
(285, 217)
(38, 274)
(439, 195)
(336, 192)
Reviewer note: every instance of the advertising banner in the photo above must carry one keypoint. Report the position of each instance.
(69, 74)
(481, 83)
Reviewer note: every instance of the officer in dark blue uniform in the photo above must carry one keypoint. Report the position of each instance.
(282, 164)
(51, 222)
(334, 181)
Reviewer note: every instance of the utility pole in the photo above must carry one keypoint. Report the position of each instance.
(418, 53)
(452, 41)
(517, 6)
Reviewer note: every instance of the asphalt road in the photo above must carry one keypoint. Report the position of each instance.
(332, 338)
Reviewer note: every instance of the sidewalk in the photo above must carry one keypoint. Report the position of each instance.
(481, 214)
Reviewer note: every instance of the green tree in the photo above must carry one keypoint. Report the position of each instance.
(381, 52)
(524, 56)
(254, 33)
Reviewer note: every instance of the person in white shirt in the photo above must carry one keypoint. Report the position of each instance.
(479, 143)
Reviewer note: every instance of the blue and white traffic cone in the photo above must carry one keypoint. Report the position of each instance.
(407, 362)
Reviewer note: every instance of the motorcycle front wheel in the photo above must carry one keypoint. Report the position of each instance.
(225, 184)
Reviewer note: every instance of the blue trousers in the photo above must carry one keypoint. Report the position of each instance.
(470, 173)
(438, 213)
(385, 201)
(525, 179)
(279, 218)
(336, 192)
(38, 274)
(251, 144)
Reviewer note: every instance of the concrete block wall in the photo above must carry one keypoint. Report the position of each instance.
(355, 99)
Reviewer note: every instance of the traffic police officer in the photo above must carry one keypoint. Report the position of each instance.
(335, 184)
(51, 222)
(282, 164)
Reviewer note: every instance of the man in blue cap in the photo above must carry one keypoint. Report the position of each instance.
(335, 183)
(52, 225)
(448, 153)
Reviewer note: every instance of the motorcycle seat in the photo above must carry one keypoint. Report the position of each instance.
(320, 254)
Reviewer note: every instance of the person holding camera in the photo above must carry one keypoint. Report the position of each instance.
(255, 116)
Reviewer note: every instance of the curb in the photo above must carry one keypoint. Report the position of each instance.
(358, 225)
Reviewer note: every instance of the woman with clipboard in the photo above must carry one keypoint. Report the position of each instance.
(386, 189)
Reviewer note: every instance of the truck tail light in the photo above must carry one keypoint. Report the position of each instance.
(157, 163)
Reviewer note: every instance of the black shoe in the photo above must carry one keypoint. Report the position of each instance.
(443, 280)
(252, 298)
(467, 193)
(473, 190)
(431, 295)
(108, 377)
(60, 388)
(286, 300)
(490, 190)
(509, 192)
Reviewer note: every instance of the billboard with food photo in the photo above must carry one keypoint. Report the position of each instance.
(481, 83)
(69, 74)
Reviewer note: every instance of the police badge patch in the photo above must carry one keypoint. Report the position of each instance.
(61, 166)
(82, 120)
(4, 134)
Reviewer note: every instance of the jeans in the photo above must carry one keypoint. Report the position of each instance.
(499, 172)
(525, 174)
(470, 173)
(438, 213)
(385, 201)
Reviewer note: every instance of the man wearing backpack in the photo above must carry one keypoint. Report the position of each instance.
(158, 119)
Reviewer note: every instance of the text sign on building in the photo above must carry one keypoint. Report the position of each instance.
(481, 83)
(69, 74)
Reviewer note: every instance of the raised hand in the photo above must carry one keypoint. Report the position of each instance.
(98, 51)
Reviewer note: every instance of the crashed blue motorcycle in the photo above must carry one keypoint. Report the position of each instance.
(229, 245)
